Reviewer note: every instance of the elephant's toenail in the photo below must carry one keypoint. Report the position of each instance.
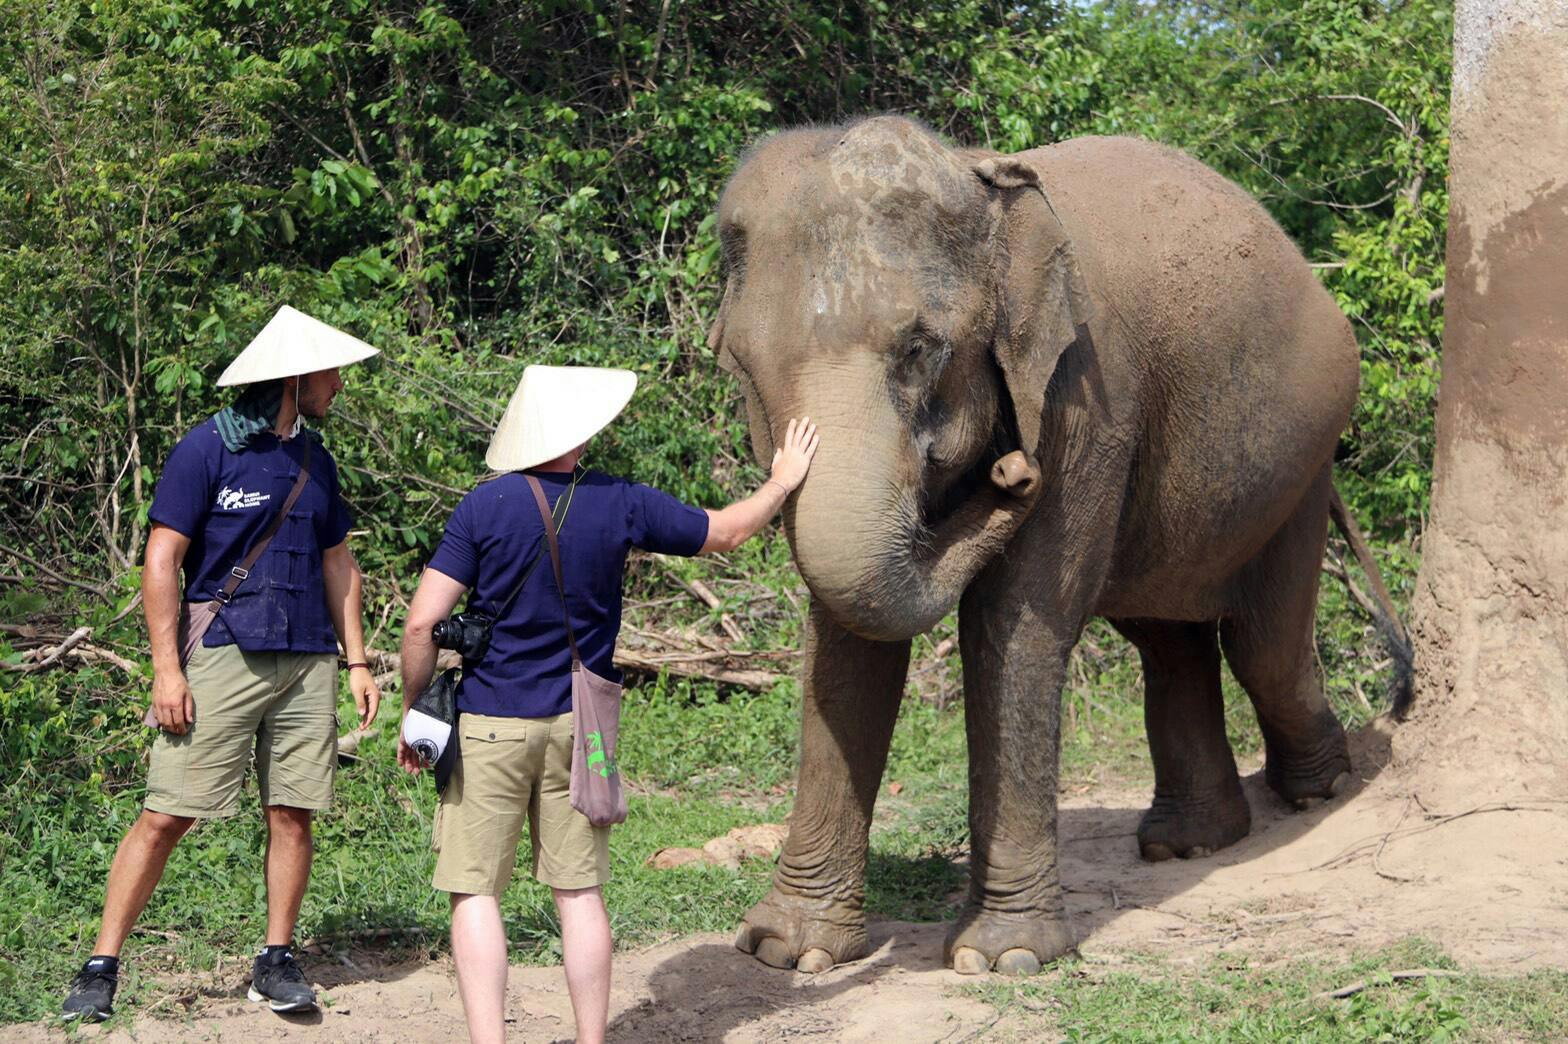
(1018, 962)
(1199, 852)
(969, 961)
(1341, 781)
(743, 940)
(1157, 852)
(773, 952)
(814, 960)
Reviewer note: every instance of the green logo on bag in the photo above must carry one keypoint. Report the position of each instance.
(597, 761)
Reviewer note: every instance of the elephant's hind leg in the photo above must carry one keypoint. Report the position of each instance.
(1268, 643)
(1198, 803)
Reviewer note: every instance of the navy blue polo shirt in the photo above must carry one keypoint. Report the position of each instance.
(223, 501)
(490, 539)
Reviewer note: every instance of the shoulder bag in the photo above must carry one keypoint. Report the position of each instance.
(596, 789)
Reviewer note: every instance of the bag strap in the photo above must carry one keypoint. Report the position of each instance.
(555, 560)
(239, 573)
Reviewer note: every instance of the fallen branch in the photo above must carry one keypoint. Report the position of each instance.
(704, 594)
(696, 666)
(51, 658)
(348, 743)
(714, 664)
(96, 653)
(1399, 976)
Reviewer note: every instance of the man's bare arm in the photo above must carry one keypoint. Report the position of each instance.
(171, 697)
(345, 601)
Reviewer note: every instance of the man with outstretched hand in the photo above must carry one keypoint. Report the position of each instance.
(515, 753)
(248, 506)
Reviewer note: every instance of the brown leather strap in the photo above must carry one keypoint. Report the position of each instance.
(238, 574)
(555, 560)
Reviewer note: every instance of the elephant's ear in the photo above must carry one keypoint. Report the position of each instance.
(1042, 297)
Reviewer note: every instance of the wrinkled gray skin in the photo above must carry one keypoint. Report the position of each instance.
(1090, 379)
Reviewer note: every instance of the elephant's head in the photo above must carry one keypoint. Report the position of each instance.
(913, 301)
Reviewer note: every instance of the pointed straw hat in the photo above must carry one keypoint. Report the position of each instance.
(292, 343)
(554, 410)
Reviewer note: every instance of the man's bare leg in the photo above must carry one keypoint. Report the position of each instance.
(479, 953)
(289, 850)
(585, 949)
(137, 868)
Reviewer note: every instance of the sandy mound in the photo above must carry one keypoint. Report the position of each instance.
(1468, 854)
(1473, 862)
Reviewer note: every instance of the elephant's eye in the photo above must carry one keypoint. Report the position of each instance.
(918, 342)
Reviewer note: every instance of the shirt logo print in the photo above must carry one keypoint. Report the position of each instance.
(232, 499)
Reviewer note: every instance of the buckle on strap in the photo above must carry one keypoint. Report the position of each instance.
(242, 574)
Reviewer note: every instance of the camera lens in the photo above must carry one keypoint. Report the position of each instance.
(444, 634)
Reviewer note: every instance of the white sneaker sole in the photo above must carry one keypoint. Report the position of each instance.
(257, 996)
(86, 1016)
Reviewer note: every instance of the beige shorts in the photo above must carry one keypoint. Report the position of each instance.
(509, 769)
(278, 706)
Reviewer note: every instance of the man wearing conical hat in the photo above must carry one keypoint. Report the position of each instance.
(515, 700)
(263, 681)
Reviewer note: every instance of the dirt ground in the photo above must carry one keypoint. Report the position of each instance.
(1469, 856)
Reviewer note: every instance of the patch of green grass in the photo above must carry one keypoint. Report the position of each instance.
(1230, 1000)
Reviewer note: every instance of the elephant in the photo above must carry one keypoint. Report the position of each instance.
(1090, 379)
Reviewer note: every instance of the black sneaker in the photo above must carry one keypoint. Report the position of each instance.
(276, 977)
(92, 993)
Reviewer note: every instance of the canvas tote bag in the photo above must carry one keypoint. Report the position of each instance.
(596, 789)
(196, 617)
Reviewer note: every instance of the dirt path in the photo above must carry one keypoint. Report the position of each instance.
(1475, 864)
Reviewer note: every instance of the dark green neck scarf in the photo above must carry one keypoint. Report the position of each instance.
(253, 414)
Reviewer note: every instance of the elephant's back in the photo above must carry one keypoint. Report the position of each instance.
(1246, 368)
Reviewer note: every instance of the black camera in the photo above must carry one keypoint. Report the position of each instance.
(468, 633)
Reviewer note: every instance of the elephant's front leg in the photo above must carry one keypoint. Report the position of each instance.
(814, 917)
(1014, 665)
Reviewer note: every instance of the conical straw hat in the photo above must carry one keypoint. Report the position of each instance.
(290, 344)
(554, 410)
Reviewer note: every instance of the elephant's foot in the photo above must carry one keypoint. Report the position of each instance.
(1011, 943)
(1192, 827)
(1309, 776)
(809, 935)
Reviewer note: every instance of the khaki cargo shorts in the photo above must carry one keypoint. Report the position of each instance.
(509, 769)
(279, 706)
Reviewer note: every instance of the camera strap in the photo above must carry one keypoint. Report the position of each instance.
(563, 504)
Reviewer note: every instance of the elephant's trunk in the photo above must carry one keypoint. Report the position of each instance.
(861, 538)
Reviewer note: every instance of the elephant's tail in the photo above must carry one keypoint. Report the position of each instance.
(1384, 615)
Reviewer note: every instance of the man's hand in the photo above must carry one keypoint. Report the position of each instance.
(171, 702)
(793, 457)
(367, 694)
(406, 756)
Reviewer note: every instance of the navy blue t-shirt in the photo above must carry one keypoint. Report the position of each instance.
(223, 501)
(490, 539)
